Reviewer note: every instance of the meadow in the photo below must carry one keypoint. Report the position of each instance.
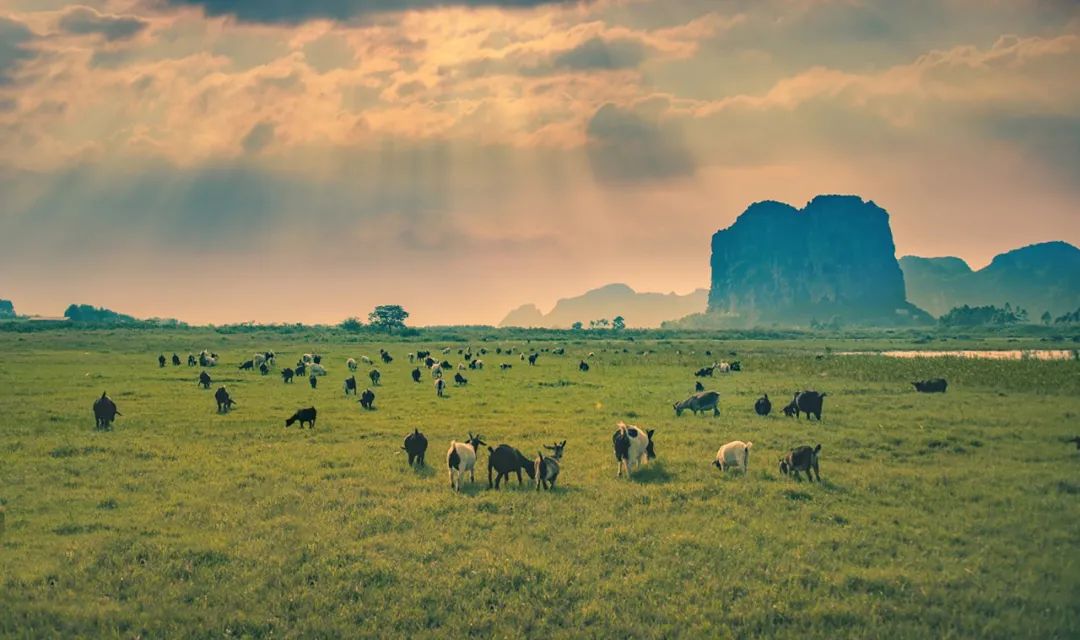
(939, 516)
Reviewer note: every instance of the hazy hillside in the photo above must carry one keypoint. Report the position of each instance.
(1040, 277)
(638, 309)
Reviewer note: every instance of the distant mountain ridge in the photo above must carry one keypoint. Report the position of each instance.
(641, 310)
(1039, 277)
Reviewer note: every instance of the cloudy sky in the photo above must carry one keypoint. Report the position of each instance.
(305, 160)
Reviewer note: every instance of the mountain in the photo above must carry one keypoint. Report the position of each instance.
(1040, 277)
(638, 309)
(831, 261)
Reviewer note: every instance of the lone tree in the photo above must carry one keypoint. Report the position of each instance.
(388, 316)
(1046, 318)
(352, 325)
(576, 326)
(618, 323)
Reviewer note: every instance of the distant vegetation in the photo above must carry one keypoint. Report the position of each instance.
(966, 316)
(7, 309)
(87, 313)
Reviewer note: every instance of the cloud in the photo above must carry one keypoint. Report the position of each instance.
(258, 138)
(329, 52)
(14, 38)
(81, 20)
(296, 11)
(625, 147)
(597, 53)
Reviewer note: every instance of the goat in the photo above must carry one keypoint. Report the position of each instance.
(461, 457)
(161, 360)
(934, 385)
(313, 381)
(583, 366)
(374, 375)
(367, 399)
(204, 380)
(191, 361)
(302, 416)
(224, 402)
(350, 385)
(763, 406)
(699, 402)
(105, 412)
(287, 375)
(175, 360)
(801, 459)
(460, 380)
(247, 365)
(416, 374)
(734, 454)
(698, 387)
(351, 364)
(505, 460)
(532, 359)
(416, 447)
(633, 447)
(440, 387)
(547, 467)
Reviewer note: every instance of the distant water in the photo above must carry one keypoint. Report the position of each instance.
(1014, 354)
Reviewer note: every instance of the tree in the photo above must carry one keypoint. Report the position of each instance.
(1046, 317)
(352, 325)
(388, 316)
(7, 309)
(576, 326)
(619, 323)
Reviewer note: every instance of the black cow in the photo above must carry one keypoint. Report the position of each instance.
(367, 399)
(302, 416)
(416, 447)
(763, 406)
(933, 385)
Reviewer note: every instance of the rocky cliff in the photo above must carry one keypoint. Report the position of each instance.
(833, 260)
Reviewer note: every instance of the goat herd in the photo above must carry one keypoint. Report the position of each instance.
(633, 446)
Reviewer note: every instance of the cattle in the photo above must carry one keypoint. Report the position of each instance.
(374, 375)
(191, 361)
(532, 359)
(416, 374)
(287, 375)
(808, 402)
(264, 369)
(460, 380)
(704, 372)
(440, 387)
(733, 454)
(583, 366)
(224, 402)
(204, 380)
(504, 366)
(699, 402)
(461, 457)
(799, 459)
(505, 460)
(633, 447)
(302, 415)
(933, 385)
(351, 364)
(763, 406)
(350, 385)
(105, 412)
(547, 467)
(301, 369)
(175, 360)
(161, 360)
(313, 381)
(247, 365)
(367, 399)
(416, 446)
(698, 387)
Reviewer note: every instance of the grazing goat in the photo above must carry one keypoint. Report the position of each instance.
(224, 402)
(259, 360)
(416, 447)
(436, 371)
(374, 375)
(420, 355)
(736, 366)
(532, 359)
(301, 369)
(763, 406)
(367, 399)
(247, 365)
(547, 467)
(313, 381)
(191, 361)
(476, 364)
(386, 358)
(416, 374)
(204, 380)
(505, 460)
(934, 385)
(366, 360)
(445, 364)
(799, 459)
(430, 362)
(808, 402)
(350, 385)
(460, 380)
(734, 454)
(440, 387)
(704, 372)
(699, 402)
(790, 410)
(161, 360)
(583, 366)
(316, 359)
(351, 364)
(461, 457)
(175, 360)
(722, 367)
(105, 412)
(287, 375)
(317, 370)
(264, 368)
(504, 366)
(633, 447)
(302, 416)
(698, 387)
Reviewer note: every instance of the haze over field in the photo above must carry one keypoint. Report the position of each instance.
(304, 161)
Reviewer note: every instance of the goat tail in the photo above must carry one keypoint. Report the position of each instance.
(749, 444)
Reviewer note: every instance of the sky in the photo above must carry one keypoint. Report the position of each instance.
(305, 160)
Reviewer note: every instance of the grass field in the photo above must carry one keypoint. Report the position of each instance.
(939, 516)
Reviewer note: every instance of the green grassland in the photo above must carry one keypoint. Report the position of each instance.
(940, 516)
